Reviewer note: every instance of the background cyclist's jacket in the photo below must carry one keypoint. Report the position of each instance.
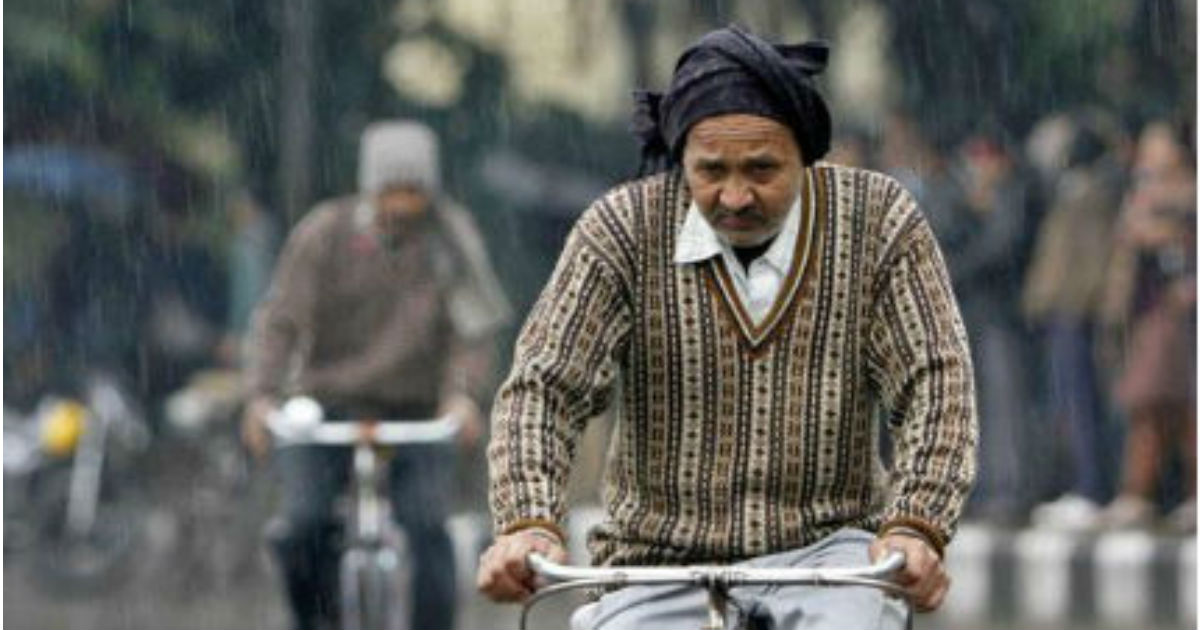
(735, 440)
(351, 319)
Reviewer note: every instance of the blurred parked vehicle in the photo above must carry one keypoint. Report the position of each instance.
(72, 493)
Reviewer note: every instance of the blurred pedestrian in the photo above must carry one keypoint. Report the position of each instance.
(182, 289)
(1153, 297)
(67, 301)
(252, 249)
(751, 307)
(383, 304)
(921, 165)
(852, 146)
(987, 270)
(1062, 298)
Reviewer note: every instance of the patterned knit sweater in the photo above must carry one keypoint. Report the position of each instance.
(733, 439)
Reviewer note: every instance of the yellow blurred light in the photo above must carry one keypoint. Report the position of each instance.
(63, 427)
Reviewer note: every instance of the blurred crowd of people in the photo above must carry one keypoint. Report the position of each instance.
(1072, 254)
(146, 297)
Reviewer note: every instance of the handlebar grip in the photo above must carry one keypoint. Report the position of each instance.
(537, 563)
(891, 563)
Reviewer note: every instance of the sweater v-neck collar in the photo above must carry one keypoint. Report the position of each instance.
(803, 254)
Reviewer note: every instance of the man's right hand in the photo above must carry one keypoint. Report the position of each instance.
(504, 573)
(255, 434)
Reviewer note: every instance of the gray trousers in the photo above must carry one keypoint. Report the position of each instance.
(767, 607)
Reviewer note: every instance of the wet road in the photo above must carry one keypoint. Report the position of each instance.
(157, 598)
(201, 564)
(164, 593)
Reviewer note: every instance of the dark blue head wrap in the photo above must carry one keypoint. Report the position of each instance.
(730, 71)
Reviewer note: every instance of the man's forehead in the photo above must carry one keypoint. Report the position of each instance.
(742, 128)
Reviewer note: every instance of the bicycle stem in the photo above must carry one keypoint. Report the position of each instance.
(369, 507)
(718, 603)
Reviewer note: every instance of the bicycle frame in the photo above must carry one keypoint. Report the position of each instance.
(717, 580)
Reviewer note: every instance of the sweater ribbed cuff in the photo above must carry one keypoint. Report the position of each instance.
(929, 532)
(540, 523)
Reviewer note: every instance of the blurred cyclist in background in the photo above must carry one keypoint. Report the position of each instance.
(383, 305)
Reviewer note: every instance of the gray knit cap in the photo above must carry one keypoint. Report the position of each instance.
(398, 152)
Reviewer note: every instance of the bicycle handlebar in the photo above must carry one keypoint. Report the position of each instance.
(714, 578)
(300, 421)
(726, 576)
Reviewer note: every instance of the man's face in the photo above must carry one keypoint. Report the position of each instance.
(400, 208)
(744, 172)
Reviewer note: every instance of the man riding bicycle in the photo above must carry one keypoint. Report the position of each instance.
(383, 306)
(754, 309)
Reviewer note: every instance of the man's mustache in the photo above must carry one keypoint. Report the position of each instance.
(753, 212)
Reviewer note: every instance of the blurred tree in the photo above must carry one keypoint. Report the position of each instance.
(215, 89)
(160, 82)
(1015, 60)
(296, 63)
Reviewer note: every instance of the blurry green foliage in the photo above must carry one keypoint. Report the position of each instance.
(195, 85)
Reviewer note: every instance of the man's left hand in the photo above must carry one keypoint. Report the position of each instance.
(923, 578)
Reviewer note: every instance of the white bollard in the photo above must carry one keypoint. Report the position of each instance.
(1123, 565)
(1187, 583)
(467, 530)
(968, 559)
(1044, 576)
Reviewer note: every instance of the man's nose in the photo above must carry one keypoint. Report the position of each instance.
(736, 195)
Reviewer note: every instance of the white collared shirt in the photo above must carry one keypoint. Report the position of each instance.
(757, 288)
